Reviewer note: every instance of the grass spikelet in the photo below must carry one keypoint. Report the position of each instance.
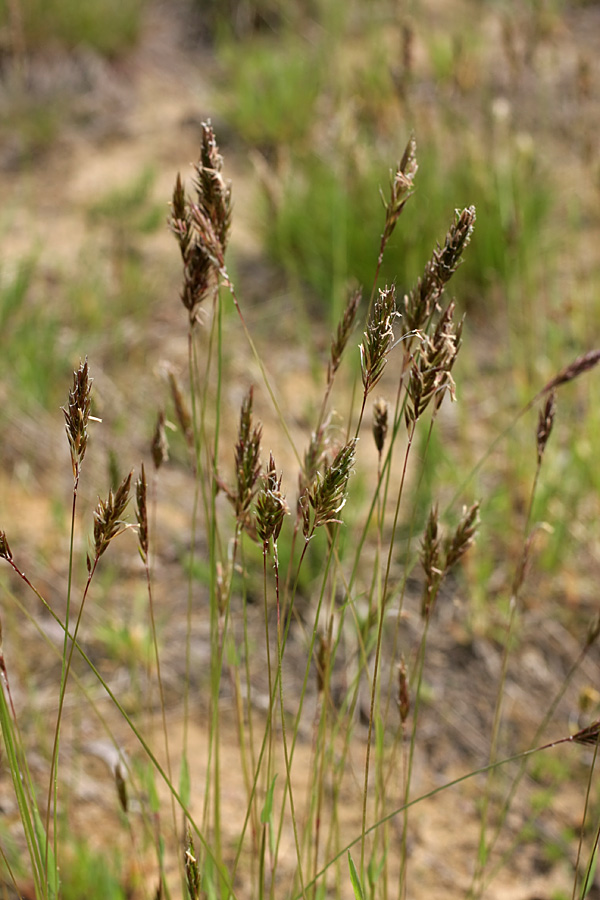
(271, 506)
(380, 422)
(344, 330)
(401, 188)
(431, 562)
(192, 870)
(421, 302)
(141, 513)
(108, 516)
(247, 460)
(430, 375)
(573, 370)
(327, 496)
(202, 227)
(160, 445)
(545, 423)
(403, 692)
(463, 537)
(378, 338)
(5, 551)
(182, 411)
(77, 414)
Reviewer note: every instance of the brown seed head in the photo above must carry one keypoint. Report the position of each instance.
(192, 871)
(160, 446)
(401, 188)
(403, 692)
(182, 411)
(545, 423)
(380, 422)
(574, 370)
(5, 551)
(431, 562)
(247, 460)
(141, 513)
(77, 414)
(463, 537)
(108, 516)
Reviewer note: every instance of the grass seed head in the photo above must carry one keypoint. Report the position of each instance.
(160, 445)
(574, 370)
(182, 411)
(141, 513)
(271, 506)
(5, 551)
(430, 375)
(401, 188)
(545, 423)
(463, 537)
(378, 338)
(327, 496)
(247, 460)
(344, 330)
(431, 562)
(77, 414)
(192, 870)
(201, 227)
(403, 692)
(380, 422)
(108, 516)
(420, 303)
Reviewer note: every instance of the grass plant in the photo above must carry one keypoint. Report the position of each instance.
(316, 688)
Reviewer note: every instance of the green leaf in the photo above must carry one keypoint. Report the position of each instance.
(267, 810)
(185, 787)
(356, 885)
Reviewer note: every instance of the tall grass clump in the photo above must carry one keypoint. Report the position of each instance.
(316, 690)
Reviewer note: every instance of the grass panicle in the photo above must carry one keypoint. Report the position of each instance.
(327, 496)
(202, 227)
(344, 331)
(401, 188)
(419, 305)
(77, 415)
(108, 517)
(5, 551)
(141, 513)
(160, 444)
(271, 506)
(545, 423)
(430, 375)
(380, 423)
(378, 338)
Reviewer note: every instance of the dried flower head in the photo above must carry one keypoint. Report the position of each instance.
(380, 422)
(108, 517)
(545, 423)
(77, 414)
(378, 338)
(160, 445)
(271, 506)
